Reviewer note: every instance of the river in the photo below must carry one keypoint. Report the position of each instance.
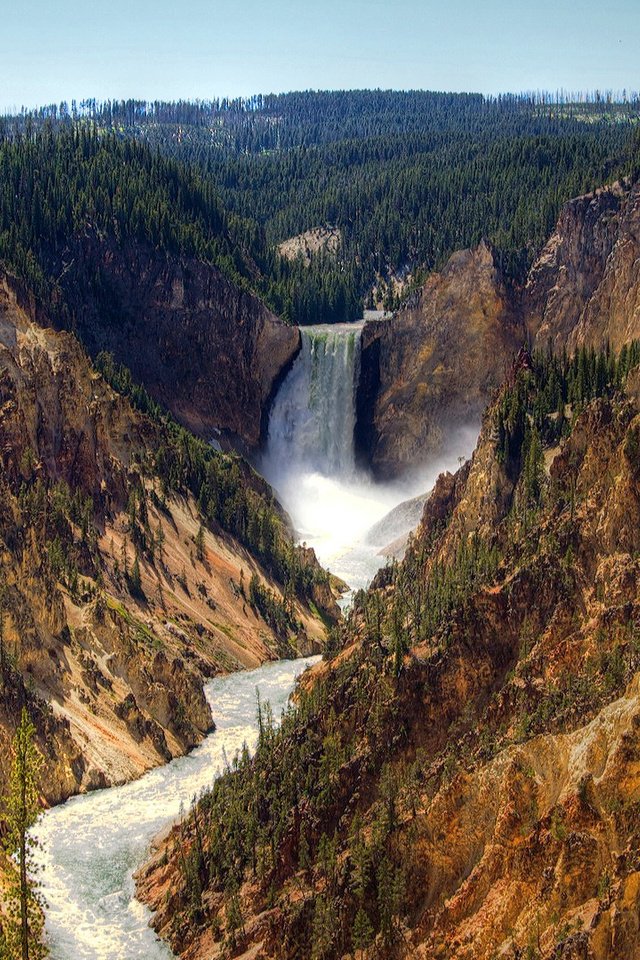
(92, 844)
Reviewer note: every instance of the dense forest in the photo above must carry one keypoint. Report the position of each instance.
(406, 178)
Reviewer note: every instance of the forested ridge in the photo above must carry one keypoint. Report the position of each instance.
(406, 177)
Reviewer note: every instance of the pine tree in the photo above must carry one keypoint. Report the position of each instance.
(200, 543)
(235, 921)
(21, 935)
(534, 469)
(324, 928)
(135, 579)
(362, 933)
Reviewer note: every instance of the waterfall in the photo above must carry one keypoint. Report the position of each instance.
(313, 416)
(310, 459)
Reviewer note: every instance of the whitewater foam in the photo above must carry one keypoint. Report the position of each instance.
(92, 844)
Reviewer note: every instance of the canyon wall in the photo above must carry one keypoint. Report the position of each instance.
(207, 350)
(473, 793)
(118, 599)
(432, 367)
(584, 288)
(429, 370)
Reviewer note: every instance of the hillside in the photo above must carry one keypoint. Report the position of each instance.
(156, 261)
(469, 747)
(458, 778)
(136, 562)
(407, 178)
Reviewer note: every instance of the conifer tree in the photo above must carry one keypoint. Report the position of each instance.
(362, 933)
(200, 543)
(22, 926)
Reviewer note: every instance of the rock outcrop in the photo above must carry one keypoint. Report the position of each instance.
(584, 288)
(428, 371)
(208, 351)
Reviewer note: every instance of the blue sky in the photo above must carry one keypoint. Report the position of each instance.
(156, 49)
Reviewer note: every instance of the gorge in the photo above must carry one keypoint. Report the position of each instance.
(310, 460)
(202, 447)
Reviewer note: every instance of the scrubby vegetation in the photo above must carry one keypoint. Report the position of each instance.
(319, 822)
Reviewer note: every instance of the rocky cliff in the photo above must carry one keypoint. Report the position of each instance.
(210, 352)
(120, 590)
(461, 779)
(429, 370)
(584, 289)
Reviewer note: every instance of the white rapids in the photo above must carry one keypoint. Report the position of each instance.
(92, 844)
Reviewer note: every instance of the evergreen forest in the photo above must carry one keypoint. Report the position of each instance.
(406, 178)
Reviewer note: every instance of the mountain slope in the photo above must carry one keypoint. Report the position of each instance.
(430, 369)
(209, 352)
(127, 549)
(407, 177)
(460, 779)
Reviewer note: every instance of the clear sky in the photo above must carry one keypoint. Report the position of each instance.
(56, 50)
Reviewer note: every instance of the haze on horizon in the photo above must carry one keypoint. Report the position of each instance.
(153, 49)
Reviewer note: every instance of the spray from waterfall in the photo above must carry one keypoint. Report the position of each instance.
(310, 459)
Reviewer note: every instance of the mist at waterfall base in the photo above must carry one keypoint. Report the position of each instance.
(310, 460)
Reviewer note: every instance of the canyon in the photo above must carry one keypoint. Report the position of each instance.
(459, 775)
(113, 669)
(470, 740)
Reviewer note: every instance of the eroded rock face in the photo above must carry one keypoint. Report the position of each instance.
(429, 371)
(211, 353)
(431, 368)
(112, 676)
(584, 289)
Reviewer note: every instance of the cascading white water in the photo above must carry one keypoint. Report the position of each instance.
(309, 457)
(313, 417)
